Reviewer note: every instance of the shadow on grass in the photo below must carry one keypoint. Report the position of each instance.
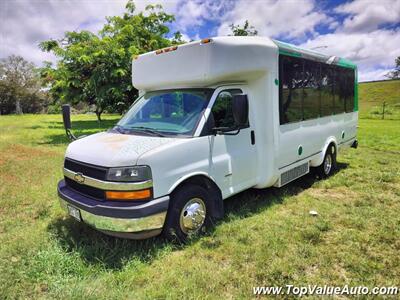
(96, 248)
(113, 253)
(79, 128)
(253, 201)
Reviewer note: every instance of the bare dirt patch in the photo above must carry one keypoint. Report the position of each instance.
(339, 193)
(21, 153)
(8, 178)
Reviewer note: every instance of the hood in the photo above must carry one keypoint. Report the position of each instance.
(112, 149)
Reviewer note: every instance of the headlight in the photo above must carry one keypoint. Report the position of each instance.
(132, 174)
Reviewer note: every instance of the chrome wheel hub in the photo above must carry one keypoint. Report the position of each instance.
(328, 164)
(192, 216)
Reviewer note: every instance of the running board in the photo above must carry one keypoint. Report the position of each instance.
(292, 174)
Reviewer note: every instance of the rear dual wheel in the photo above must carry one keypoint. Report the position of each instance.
(328, 166)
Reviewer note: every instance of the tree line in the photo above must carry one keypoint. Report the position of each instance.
(20, 87)
(93, 70)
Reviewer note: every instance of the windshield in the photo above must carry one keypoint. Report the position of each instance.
(172, 112)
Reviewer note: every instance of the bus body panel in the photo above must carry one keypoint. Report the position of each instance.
(258, 156)
(229, 160)
(312, 136)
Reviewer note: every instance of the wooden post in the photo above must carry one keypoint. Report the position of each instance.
(383, 110)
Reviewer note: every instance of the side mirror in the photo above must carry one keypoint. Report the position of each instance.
(240, 109)
(66, 113)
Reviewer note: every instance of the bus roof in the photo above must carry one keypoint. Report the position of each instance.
(292, 50)
(209, 62)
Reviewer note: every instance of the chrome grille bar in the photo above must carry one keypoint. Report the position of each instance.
(108, 185)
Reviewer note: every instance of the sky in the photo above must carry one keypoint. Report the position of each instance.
(364, 31)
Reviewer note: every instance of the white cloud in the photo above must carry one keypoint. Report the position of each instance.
(361, 37)
(365, 15)
(375, 49)
(375, 74)
(292, 19)
(24, 24)
(194, 13)
(374, 52)
(357, 39)
(187, 38)
(333, 25)
(191, 14)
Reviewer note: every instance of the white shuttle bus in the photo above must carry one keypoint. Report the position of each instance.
(213, 118)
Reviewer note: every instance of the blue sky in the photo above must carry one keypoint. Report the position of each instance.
(210, 26)
(365, 31)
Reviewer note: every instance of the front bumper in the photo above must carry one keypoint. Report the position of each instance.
(121, 219)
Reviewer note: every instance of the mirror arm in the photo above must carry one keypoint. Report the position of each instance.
(223, 131)
(232, 133)
(70, 135)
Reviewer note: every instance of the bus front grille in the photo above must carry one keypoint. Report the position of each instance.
(88, 170)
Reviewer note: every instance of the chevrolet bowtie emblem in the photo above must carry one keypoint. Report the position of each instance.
(79, 178)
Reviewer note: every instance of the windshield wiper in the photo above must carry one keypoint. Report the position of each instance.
(119, 129)
(148, 130)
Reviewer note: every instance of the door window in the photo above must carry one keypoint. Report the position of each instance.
(222, 109)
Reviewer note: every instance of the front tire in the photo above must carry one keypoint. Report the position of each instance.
(189, 213)
(328, 166)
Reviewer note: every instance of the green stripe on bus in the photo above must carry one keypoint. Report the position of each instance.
(346, 63)
(284, 52)
(356, 90)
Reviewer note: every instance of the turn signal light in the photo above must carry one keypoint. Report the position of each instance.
(206, 41)
(131, 195)
(170, 49)
(165, 50)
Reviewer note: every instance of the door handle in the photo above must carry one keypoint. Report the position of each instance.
(252, 137)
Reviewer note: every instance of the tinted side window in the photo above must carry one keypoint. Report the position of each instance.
(340, 89)
(327, 78)
(350, 82)
(222, 109)
(311, 90)
(291, 89)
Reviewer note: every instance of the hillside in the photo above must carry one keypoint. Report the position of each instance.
(373, 94)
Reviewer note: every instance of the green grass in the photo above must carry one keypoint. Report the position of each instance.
(266, 238)
(373, 94)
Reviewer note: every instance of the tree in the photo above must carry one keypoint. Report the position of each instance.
(96, 68)
(395, 73)
(246, 30)
(19, 85)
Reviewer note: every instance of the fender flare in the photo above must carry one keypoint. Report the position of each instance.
(203, 179)
(186, 177)
(320, 158)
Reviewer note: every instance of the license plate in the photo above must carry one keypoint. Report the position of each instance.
(74, 212)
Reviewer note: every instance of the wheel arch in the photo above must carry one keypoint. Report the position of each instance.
(205, 181)
(320, 158)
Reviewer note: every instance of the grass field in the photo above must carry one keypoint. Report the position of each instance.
(266, 238)
(373, 94)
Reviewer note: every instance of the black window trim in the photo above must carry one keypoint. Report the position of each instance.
(318, 88)
(333, 67)
(192, 134)
(206, 131)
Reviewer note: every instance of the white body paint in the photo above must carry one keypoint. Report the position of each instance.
(232, 162)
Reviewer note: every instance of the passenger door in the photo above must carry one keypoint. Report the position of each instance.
(233, 157)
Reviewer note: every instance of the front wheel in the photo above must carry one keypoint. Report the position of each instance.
(328, 166)
(189, 213)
